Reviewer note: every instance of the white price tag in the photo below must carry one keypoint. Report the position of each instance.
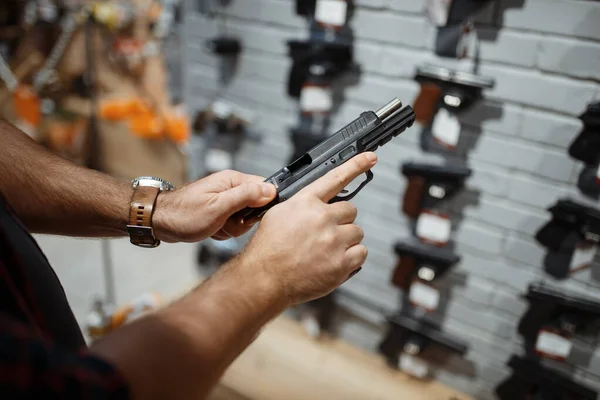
(437, 11)
(218, 160)
(434, 228)
(446, 128)
(316, 99)
(222, 109)
(331, 12)
(582, 257)
(413, 366)
(424, 296)
(553, 345)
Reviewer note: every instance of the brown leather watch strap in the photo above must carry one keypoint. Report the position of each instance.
(140, 216)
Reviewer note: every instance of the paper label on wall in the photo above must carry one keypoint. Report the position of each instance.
(424, 296)
(437, 11)
(316, 99)
(446, 128)
(582, 257)
(218, 160)
(222, 109)
(331, 12)
(413, 366)
(434, 228)
(553, 345)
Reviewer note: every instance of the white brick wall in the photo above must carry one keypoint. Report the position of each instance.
(545, 58)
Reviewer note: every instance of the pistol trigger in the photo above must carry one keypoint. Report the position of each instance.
(358, 189)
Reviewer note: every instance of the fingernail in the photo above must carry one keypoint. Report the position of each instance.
(268, 189)
(355, 272)
(371, 157)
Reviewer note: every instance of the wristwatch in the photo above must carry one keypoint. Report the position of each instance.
(145, 192)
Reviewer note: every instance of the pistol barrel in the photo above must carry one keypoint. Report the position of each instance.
(384, 112)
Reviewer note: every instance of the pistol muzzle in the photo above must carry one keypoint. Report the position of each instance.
(390, 108)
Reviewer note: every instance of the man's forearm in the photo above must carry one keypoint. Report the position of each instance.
(182, 351)
(53, 195)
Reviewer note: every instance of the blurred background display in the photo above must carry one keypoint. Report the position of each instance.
(482, 221)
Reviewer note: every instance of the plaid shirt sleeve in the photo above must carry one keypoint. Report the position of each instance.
(33, 368)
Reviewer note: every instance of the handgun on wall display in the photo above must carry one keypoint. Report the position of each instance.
(371, 130)
(224, 126)
(572, 238)
(418, 267)
(531, 380)
(444, 94)
(315, 66)
(430, 184)
(553, 319)
(408, 338)
(454, 21)
(227, 46)
(586, 146)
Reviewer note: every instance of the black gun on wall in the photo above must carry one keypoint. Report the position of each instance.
(418, 261)
(573, 230)
(553, 319)
(316, 63)
(453, 90)
(586, 146)
(430, 184)
(366, 133)
(532, 381)
(407, 335)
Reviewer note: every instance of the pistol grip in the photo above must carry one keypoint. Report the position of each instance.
(404, 272)
(413, 196)
(426, 103)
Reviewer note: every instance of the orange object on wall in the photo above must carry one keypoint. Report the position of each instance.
(147, 125)
(121, 108)
(27, 106)
(177, 128)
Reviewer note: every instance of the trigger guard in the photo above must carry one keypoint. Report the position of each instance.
(358, 189)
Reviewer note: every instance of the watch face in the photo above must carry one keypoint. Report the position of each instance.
(153, 182)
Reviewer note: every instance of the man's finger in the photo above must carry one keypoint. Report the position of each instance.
(351, 235)
(355, 257)
(343, 212)
(246, 195)
(337, 179)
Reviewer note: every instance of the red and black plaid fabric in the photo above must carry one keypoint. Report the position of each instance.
(42, 351)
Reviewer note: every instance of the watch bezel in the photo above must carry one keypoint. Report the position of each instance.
(152, 181)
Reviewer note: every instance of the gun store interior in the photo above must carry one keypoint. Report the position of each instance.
(151, 149)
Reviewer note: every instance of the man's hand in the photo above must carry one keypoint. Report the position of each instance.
(204, 208)
(306, 246)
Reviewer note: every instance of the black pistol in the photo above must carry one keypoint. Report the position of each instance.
(417, 260)
(531, 380)
(366, 133)
(569, 219)
(316, 63)
(429, 184)
(586, 146)
(412, 336)
(555, 313)
(453, 90)
(573, 227)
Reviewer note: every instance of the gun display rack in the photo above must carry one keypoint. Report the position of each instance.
(317, 64)
(556, 318)
(222, 126)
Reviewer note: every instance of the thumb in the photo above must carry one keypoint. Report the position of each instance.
(245, 195)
